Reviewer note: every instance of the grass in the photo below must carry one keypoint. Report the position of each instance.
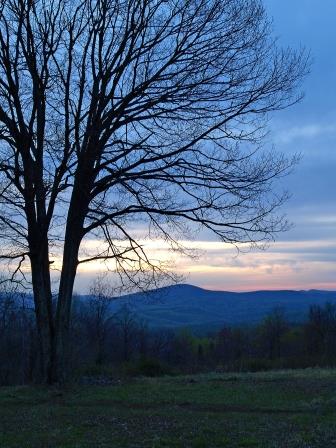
(273, 410)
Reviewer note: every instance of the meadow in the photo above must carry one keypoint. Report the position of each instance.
(268, 409)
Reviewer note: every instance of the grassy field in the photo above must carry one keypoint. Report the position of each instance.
(275, 409)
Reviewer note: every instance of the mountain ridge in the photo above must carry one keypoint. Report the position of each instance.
(184, 305)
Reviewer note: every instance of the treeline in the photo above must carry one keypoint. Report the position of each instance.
(124, 344)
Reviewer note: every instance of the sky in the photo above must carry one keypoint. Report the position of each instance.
(305, 256)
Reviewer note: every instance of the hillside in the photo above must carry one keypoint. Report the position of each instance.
(189, 306)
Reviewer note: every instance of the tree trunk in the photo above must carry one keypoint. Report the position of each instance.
(44, 314)
(77, 212)
(73, 238)
(64, 303)
(53, 331)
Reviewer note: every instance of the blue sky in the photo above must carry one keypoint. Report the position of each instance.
(310, 128)
(305, 256)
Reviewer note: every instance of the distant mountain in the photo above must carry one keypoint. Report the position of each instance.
(180, 306)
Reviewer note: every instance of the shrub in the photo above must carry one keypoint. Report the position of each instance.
(147, 367)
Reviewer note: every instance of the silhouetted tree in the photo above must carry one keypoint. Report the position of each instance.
(17, 337)
(320, 330)
(224, 345)
(98, 315)
(119, 112)
(271, 332)
(126, 321)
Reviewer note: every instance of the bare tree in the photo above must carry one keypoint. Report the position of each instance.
(98, 314)
(127, 324)
(16, 336)
(320, 330)
(116, 114)
(271, 332)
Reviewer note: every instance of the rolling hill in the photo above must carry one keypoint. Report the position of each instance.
(184, 305)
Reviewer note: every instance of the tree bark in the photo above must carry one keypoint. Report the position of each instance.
(64, 303)
(73, 237)
(44, 314)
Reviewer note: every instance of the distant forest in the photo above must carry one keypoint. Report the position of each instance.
(104, 346)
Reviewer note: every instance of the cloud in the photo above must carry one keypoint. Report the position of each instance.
(304, 132)
(303, 264)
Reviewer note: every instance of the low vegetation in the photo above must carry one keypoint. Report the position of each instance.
(292, 409)
(121, 344)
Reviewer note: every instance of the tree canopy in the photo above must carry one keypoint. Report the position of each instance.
(115, 113)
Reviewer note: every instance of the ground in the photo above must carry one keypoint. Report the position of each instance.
(271, 410)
